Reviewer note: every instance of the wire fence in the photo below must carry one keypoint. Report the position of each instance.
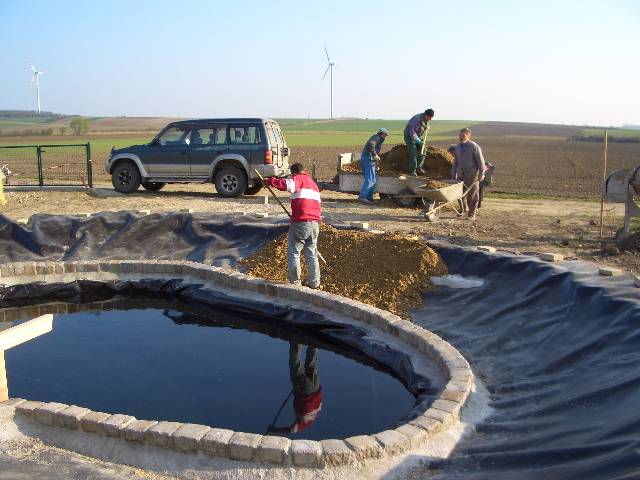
(47, 165)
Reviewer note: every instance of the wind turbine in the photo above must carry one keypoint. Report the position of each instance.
(36, 74)
(329, 67)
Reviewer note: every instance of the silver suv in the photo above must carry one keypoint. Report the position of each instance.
(224, 151)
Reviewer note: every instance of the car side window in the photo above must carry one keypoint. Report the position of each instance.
(245, 134)
(216, 135)
(174, 136)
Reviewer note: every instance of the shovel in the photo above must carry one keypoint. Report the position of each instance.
(285, 209)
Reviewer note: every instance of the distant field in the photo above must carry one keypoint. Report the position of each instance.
(529, 158)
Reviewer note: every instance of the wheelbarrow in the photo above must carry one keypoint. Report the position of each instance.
(435, 199)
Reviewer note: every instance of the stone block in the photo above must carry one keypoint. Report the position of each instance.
(59, 268)
(609, 271)
(462, 375)
(84, 214)
(448, 406)
(393, 442)
(486, 248)
(28, 408)
(551, 257)
(416, 435)
(429, 425)
(69, 267)
(160, 434)
(216, 441)
(112, 426)
(306, 453)
(243, 446)
(70, 417)
(91, 421)
(360, 225)
(186, 210)
(337, 452)
(12, 402)
(187, 437)
(242, 214)
(274, 450)
(8, 270)
(364, 446)
(143, 212)
(261, 214)
(135, 431)
(445, 418)
(454, 395)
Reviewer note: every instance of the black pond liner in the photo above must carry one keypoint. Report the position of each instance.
(191, 304)
(559, 352)
(558, 348)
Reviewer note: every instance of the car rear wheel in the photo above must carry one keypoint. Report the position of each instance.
(253, 190)
(230, 182)
(153, 186)
(125, 177)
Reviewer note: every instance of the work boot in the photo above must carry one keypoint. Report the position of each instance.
(365, 201)
(413, 174)
(421, 171)
(308, 285)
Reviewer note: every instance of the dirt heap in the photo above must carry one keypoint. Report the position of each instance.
(388, 271)
(630, 243)
(396, 162)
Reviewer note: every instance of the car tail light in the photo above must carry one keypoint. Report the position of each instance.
(268, 157)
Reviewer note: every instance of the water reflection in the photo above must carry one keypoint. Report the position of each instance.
(306, 390)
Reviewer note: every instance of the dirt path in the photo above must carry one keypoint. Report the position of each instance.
(517, 225)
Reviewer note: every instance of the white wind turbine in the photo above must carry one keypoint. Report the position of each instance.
(36, 74)
(329, 67)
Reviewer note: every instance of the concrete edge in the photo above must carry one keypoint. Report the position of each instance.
(191, 438)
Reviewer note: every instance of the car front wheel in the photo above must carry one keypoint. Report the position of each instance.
(230, 182)
(125, 177)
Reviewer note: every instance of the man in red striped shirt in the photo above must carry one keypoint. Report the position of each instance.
(305, 219)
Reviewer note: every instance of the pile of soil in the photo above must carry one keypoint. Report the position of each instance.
(388, 271)
(435, 184)
(631, 243)
(395, 162)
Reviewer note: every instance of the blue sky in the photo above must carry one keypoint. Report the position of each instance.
(545, 61)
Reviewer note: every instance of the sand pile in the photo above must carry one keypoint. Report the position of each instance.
(396, 162)
(388, 271)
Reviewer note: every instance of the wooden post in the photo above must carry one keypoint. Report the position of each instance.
(15, 336)
(4, 388)
(604, 185)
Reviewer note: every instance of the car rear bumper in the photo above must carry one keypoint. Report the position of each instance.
(269, 171)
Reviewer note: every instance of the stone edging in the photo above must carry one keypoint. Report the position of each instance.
(435, 418)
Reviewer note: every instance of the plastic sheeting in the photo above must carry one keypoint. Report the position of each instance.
(557, 347)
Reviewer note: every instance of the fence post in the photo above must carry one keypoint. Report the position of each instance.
(89, 166)
(40, 174)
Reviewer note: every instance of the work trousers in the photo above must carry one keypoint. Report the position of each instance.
(303, 236)
(471, 183)
(369, 171)
(415, 159)
(304, 377)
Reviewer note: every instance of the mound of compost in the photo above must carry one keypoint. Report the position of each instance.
(388, 271)
(395, 162)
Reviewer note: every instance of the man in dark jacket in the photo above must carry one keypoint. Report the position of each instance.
(368, 160)
(414, 134)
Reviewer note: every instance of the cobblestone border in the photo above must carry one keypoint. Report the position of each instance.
(216, 442)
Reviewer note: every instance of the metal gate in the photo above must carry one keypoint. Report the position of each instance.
(47, 165)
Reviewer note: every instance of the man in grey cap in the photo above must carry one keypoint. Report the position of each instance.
(414, 133)
(368, 161)
(468, 165)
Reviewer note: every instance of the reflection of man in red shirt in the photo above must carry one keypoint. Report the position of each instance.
(307, 392)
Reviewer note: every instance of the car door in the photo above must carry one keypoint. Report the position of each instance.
(167, 154)
(207, 143)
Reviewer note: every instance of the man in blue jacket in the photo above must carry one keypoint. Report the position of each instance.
(368, 159)
(414, 131)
